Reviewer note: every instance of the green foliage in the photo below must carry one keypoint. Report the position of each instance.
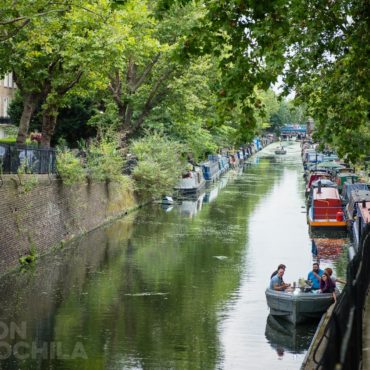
(29, 259)
(70, 168)
(106, 121)
(160, 164)
(104, 161)
(27, 181)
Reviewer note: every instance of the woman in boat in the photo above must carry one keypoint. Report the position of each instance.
(334, 279)
(327, 285)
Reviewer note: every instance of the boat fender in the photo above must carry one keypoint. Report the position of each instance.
(340, 216)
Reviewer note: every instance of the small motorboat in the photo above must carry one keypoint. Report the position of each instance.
(280, 150)
(167, 200)
(298, 306)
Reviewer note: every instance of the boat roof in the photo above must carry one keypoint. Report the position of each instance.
(346, 174)
(357, 196)
(316, 177)
(349, 187)
(365, 211)
(326, 193)
(324, 183)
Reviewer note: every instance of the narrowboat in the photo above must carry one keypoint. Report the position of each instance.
(323, 182)
(191, 182)
(359, 209)
(343, 177)
(297, 306)
(224, 164)
(315, 177)
(280, 150)
(211, 169)
(326, 209)
(348, 188)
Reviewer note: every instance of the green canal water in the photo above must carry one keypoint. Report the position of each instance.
(173, 288)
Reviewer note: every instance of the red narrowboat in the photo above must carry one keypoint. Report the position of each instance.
(326, 209)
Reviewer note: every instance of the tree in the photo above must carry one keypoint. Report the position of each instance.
(58, 53)
(328, 67)
(141, 80)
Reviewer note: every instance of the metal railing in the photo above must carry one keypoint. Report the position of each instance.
(330, 212)
(26, 159)
(344, 330)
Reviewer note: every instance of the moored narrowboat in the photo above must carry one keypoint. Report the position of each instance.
(348, 188)
(315, 176)
(191, 182)
(343, 177)
(211, 169)
(326, 209)
(361, 220)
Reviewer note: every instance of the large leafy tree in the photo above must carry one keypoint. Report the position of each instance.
(329, 68)
(60, 52)
(144, 72)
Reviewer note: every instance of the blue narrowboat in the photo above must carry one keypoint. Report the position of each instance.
(211, 168)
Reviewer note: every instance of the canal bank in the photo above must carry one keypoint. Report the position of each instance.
(39, 213)
(175, 287)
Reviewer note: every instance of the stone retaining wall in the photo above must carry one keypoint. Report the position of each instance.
(42, 215)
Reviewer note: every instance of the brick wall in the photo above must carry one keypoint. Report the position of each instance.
(45, 214)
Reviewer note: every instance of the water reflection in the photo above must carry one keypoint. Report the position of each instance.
(190, 207)
(284, 336)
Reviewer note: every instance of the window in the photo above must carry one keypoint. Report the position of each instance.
(5, 107)
(8, 80)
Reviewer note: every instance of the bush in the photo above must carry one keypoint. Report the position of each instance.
(11, 141)
(70, 168)
(160, 165)
(104, 161)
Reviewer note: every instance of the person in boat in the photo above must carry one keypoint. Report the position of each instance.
(315, 276)
(281, 266)
(277, 282)
(333, 278)
(326, 284)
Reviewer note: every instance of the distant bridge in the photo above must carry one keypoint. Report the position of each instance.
(293, 130)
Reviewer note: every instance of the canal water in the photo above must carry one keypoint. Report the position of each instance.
(177, 287)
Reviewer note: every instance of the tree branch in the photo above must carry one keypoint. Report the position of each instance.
(152, 98)
(115, 88)
(64, 89)
(147, 70)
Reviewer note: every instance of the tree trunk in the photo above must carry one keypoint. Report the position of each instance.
(49, 120)
(30, 102)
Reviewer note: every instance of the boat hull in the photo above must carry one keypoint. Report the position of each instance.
(325, 223)
(298, 308)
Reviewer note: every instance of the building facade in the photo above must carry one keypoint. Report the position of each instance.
(7, 93)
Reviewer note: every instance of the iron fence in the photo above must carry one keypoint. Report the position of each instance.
(344, 330)
(27, 159)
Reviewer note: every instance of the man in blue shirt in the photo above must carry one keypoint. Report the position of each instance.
(315, 276)
(277, 282)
